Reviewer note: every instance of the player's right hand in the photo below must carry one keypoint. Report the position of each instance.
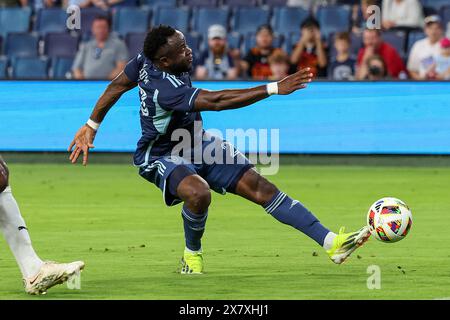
(82, 142)
(295, 81)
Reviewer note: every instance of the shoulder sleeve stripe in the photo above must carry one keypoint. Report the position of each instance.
(192, 96)
(172, 82)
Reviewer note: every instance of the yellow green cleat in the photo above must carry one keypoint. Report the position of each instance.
(345, 243)
(192, 263)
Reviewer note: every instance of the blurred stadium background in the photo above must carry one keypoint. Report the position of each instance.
(35, 43)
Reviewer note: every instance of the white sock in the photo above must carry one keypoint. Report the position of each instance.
(328, 242)
(14, 230)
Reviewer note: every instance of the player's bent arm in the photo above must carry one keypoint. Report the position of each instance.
(85, 136)
(238, 98)
(4, 175)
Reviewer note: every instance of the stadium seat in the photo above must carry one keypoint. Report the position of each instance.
(250, 42)
(413, 37)
(288, 19)
(445, 14)
(203, 18)
(234, 40)
(87, 17)
(159, 3)
(200, 3)
(51, 20)
(3, 66)
(333, 19)
(131, 20)
(135, 42)
(193, 40)
(21, 45)
(435, 4)
(14, 20)
(275, 3)
(239, 3)
(61, 67)
(60, 45)
(397, 39)
(126, 4)
(248, 19)
(30, 68)
(176, 17)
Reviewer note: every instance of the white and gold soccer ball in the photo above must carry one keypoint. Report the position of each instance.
(389, 220)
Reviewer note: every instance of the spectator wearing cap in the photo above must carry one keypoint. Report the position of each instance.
(402, 13)
(216, 62)
(256, 61)
(374, 45)
(422, 54)
(103, 57)
(442, 64)
(309, 50)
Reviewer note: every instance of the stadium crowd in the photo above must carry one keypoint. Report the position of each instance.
(231, 39)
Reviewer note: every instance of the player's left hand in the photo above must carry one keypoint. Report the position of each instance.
(82, 142)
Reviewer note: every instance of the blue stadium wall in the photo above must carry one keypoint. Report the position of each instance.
(328, 117)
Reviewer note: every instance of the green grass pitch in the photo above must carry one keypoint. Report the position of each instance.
(116, 222)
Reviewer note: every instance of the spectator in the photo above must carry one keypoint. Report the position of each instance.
(103, 57)
(256, 62)
(442, 64)
(376, 68)
(423, 51)
(402, 13)
(374, 44)
(305, 4)
(13, 3)
(216, 62)
(309, 50)
(102, 4)
(342, 66)
(79, 3)
(279, 65)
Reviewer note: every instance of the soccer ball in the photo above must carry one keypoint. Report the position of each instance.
(389, 220)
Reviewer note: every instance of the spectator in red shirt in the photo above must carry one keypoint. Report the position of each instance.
(374, 45)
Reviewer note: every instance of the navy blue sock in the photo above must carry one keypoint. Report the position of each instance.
(194, 227)
(293, 213)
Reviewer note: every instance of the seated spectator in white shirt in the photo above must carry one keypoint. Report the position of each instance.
(103, 57)
(402, 13)
(422, 54)
(216, 62)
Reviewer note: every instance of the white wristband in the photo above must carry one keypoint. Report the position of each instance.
(272, 88)
(94, 125)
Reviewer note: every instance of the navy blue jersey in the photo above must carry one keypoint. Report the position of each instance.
(167, 103)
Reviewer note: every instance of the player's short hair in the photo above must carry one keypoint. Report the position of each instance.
(155, 39)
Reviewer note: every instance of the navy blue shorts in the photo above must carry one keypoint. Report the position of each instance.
(221, 166)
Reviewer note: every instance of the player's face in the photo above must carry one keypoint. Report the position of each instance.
(179, 56)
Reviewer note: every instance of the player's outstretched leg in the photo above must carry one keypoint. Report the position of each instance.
(38, 276)
(256, 188)
(195, 193)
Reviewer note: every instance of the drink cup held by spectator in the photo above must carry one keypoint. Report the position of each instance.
(374, 45)
(103, 57)
(279, 65)
(442, 64)
(423, 52)
(309, 50)
(256, 62)
(216, 62)
(342, 65)
(402, 13)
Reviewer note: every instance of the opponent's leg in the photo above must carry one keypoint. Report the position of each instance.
(38, 276)
(14, 229)
(195, 193)
(257, 189)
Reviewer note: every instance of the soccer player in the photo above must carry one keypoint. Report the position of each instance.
(38, 276)
(168, 104)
